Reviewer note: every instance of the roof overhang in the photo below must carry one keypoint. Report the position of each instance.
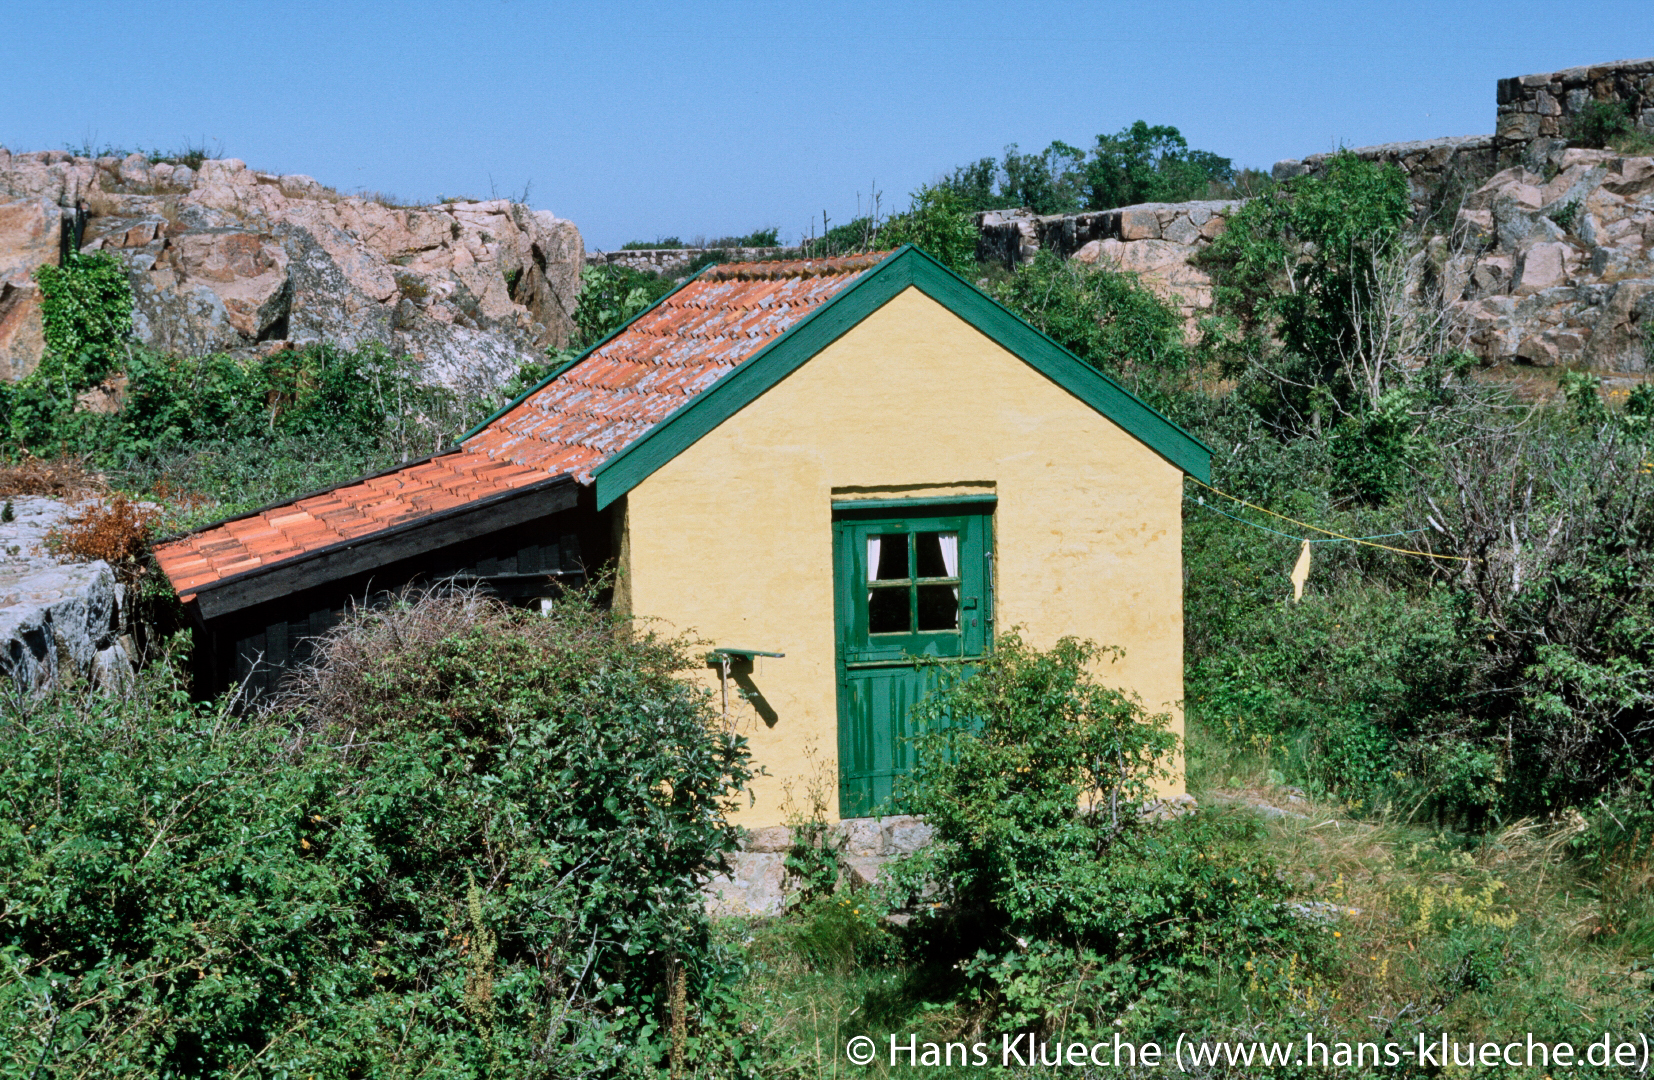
(229, 595)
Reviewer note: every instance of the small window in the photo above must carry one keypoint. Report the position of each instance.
(887, 611)
(897, 602)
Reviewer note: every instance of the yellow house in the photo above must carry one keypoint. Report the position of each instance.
(824, 468)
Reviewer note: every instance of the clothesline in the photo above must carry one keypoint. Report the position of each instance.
(1336, 536)
(1328, 540)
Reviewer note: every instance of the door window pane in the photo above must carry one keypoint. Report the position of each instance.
(887, 557)
(938, 607)
(936, 554)
(887, 611)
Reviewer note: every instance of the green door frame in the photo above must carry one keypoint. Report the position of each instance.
(890, 651)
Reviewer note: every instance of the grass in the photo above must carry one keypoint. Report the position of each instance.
(388, 199)
(1633, 144)
(1477, 936)
(191, 153)
(815, 1009)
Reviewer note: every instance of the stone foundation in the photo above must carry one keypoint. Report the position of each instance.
(757, 882)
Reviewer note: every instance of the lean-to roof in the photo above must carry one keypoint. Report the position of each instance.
(569, 426)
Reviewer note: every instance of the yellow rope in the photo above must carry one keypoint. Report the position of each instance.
(1329, 532)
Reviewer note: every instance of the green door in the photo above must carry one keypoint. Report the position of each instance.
(908, 584)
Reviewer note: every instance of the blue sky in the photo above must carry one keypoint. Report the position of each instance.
(639, 120)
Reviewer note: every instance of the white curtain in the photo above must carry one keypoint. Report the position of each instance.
(950, 558)
(873, 545)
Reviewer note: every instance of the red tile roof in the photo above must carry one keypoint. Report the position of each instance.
(592, 411)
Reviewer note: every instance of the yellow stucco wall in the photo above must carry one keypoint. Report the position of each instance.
(732, 539)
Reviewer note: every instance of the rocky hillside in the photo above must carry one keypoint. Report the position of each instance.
(226, 258)
(1557, 266)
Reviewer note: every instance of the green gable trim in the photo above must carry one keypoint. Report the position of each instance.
(560, 368)
(907, 266)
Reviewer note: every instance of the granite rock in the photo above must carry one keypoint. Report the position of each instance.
(225, 257)
(58, 619)
(31, 232)
(1565, 275)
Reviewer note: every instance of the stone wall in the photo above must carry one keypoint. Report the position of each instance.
(226, 258)
(757, 882)
(1439, 171)
(671, 262)
(1545, 254)
(1532, 118)
(1539, 108)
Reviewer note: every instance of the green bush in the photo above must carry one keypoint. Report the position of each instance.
(770, 237)
(86, 320)
(366, 398)
(657, 244)
(858, 234)
(1107, 318)
(86, 315)
(1376, 453)
(609, 297)
(1599, 124)
(366, 405)
(839, 932)
(1173, 909)
(1035, 776)
(1031, 747)
(468, 844)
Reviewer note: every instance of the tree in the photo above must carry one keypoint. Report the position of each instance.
(1150, 164)
(1311, 280)
(1046, 183)
(1140, 163)
(939, 222)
